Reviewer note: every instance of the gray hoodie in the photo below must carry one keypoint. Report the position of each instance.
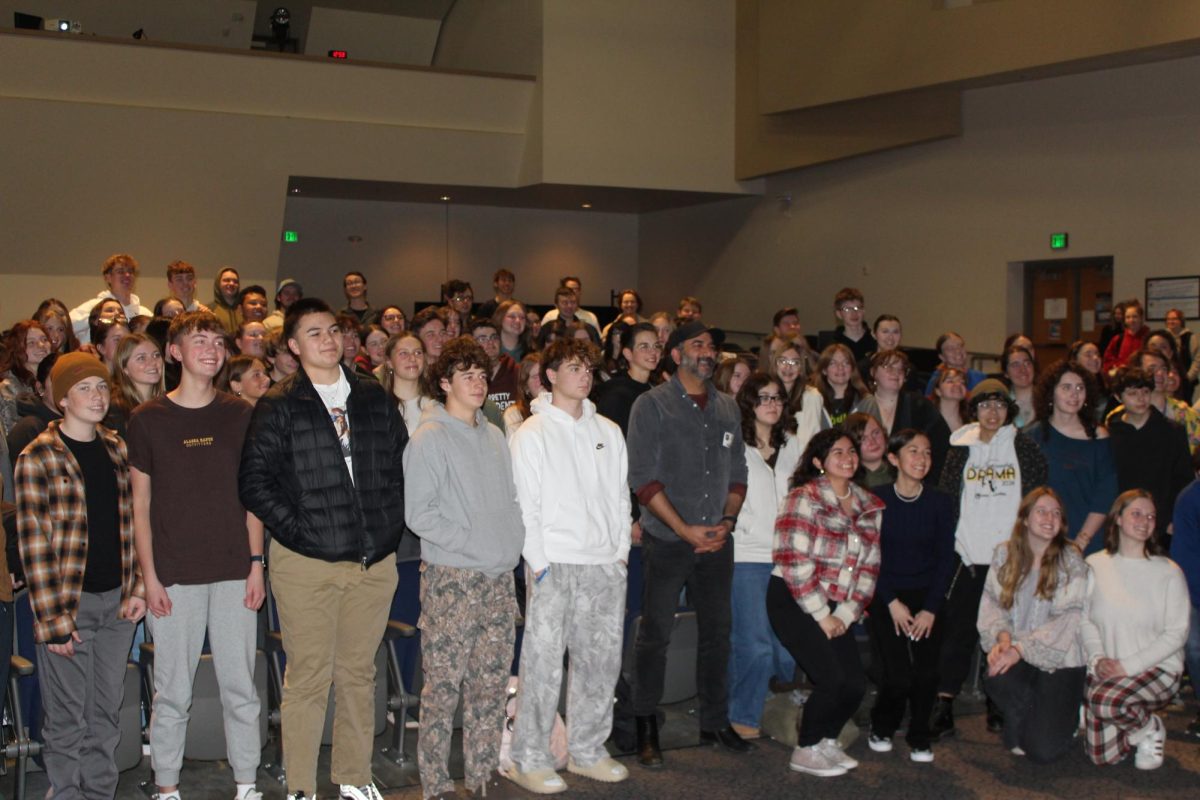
(459, 494)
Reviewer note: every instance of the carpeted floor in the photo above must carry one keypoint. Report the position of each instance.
(972, 765)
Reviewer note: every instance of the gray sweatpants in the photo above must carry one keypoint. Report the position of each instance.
(178, 643)
(81, 700)
(579, 608)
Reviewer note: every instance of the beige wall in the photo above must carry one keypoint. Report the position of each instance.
(408, 249)
(493, 37)
(639, 94)
(928, 232)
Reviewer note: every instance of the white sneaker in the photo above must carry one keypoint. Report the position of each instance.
(251, 794)
(813, 761)
(366, 792)
(880, 744)
(834, 752)
(1149, 753)
(921, 756)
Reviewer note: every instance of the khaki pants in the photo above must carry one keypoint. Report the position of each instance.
(333, 616)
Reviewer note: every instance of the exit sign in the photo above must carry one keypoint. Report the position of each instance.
(1058, 241)
(291, 236)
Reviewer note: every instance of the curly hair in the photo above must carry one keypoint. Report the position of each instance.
(565, 350)
(747, 401)
(458, 355)
(817, 451)
(1043, 396)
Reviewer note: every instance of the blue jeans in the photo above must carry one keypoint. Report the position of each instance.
(1191, 650)
(755, 652)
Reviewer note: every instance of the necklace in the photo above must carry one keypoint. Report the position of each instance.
(911, 499)
(843, 496)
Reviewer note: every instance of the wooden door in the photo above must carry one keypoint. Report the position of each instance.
(1066, 300)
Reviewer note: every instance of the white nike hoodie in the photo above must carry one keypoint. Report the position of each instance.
(572, 485)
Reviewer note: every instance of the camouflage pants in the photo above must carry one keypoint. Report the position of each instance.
(467, 636)
(579, 608)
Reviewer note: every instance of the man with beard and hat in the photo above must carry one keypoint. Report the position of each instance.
(687, 466)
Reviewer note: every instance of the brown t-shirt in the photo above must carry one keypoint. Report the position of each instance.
(192, 456)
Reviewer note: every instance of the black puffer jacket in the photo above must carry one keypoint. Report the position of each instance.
(293, 476)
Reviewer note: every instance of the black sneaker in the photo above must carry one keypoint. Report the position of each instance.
(941, 723)
(995, 718)
(1193, 730)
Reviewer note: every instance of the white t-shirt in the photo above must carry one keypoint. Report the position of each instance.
(334, 396)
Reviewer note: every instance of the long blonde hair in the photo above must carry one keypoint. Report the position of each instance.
(124, 391)
(1020, 555)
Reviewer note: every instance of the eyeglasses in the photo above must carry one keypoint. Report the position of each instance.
(993, 405)
(393, 317)
(459, 298)
(848, 308)
(789, 362)
(894, 367)
(486, 338)
(769, 400)
(647, 346)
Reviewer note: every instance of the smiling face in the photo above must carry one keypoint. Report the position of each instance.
(567, 304)
(37, 347)
(646, 351)
(120, 279)
(788, 364)
(392, 320)
(111, 309)
(1020, 370)
(514, 321)
(954, 353)
(253, 340)
(108, 349)
(1154, 364)
(992, 414)
(462, 301)
(354, 286)
(433, 336)
(842, 460)
(838, 372)
(851, 313)
(254, 307)
(408, 358)
(87, 400)
(254, 383)
(629, 304)
(887, 333)
(56, 330)
(889, 376)
(1174, 321)
(317, 341)
(697, 356)
(1045, 520)
(789, 326)
(1070, 393)
(182, 285)
(489, 340)
(200, 353)
(145, 364)
(1137, 522)
(740, 372)
(952, 387)
(230, 285)
(1133, 319)
(1090, 359)
(376, 341)
(465, 391)
(914, 459)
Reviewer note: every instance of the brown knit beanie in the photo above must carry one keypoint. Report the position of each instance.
(70, 369)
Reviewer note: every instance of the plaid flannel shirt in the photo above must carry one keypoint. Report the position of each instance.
(52, 527)
(825, 555)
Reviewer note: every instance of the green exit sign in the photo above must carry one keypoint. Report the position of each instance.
(1058, 241)
(291, 236)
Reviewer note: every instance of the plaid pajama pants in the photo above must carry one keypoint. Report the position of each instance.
(1118, 707)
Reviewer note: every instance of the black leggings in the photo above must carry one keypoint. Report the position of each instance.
(1041, 709)
(832, 665)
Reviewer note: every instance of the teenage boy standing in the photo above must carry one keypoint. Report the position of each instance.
(203, 571)
(571, 468)
(462, 503)
(76, 536)
(322, 469)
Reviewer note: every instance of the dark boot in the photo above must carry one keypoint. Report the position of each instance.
(995, 717)
(941, 723)
(648, 752)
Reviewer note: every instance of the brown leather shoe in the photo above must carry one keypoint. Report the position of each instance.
(649, 754)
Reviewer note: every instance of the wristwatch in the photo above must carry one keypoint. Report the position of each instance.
(732, 520)
(260, 559)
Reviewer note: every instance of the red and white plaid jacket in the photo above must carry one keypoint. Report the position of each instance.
(826, 555)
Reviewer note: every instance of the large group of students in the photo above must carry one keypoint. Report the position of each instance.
(1017, 523)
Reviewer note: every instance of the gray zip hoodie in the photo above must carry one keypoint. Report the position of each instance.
(459, 495)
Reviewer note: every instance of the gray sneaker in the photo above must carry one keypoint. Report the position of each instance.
(813, 761)
(834, 752)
